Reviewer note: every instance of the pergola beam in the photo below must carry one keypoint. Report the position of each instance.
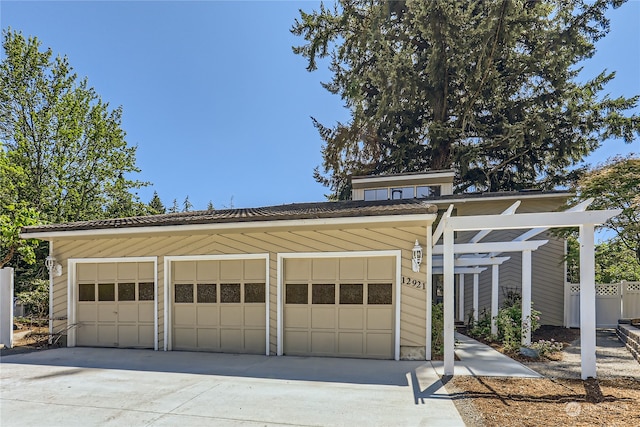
(473, 248)
(472, 261)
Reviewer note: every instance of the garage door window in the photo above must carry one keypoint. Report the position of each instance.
(297, 294)
(145, 292)
(106, 292)
(323, 294)
(380, 294)
(126, 291)
(351, 294)
(184, 293)
(230, 293)
(87, 292)
(207, 293)
(254, 293)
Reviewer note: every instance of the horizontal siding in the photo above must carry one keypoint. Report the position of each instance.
(271, 242)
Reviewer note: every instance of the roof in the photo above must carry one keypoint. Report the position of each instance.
(296, 211)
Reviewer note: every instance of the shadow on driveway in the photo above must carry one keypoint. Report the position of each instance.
(420, 374)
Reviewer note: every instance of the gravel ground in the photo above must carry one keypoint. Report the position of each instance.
(613, 360)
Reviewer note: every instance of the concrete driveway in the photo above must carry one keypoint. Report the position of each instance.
(85, 386)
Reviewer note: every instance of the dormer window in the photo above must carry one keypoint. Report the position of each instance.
(376, 194)
(402, 193)
(427, 191)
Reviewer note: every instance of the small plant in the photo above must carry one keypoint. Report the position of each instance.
(36, 300)
(544, 347)
(482, 328)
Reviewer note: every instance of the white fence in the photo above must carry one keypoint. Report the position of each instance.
(614, 301)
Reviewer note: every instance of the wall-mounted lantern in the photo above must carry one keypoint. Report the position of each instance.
(53, 267)
(416, 257)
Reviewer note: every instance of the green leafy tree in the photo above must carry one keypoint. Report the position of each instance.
(616, 262)
(66, 142)
(155, 205)
(615, 184)
(488, 87)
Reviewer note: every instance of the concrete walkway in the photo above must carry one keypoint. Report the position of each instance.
(483, 361)
(88, 386)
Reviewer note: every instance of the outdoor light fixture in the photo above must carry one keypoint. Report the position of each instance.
(416, 258)
(53, 267)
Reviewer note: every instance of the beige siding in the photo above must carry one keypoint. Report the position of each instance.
(271, 242)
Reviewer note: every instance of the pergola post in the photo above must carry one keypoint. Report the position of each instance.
(429, 290)
(495, 279)
(448, 301)
(587, 302)
(461, 297)
(476, 279)
(526, 297)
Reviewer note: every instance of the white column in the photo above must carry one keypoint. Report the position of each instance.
(51, 295)
(587, 302)
(526, 297)
(448, 302)
(6, 306)
(495, 279)
(429, 291)
(461, 297)
(476, 278)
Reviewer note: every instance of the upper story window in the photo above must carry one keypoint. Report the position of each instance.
(402, 193)
(427, 191)
(376, 194)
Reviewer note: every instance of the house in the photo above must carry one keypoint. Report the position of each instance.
(323, 279)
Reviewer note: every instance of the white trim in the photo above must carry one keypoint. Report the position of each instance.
(168, 346)
(71, 291)
(421, 218)
(429, 292)
(51, 286)
(352, 254)
(414, 177)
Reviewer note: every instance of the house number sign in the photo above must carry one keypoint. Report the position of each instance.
(408, 281)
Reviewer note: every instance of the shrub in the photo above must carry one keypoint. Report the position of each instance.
(509, 322)
(437, 330)
(544, 347)
(482, 328)
(36, 300)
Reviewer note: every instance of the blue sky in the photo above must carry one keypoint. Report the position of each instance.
(216, 101)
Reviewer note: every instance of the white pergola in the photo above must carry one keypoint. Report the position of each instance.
(452, 258)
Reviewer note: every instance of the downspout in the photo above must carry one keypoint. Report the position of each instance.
(51, 269)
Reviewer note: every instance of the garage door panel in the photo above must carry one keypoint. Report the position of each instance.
(379, 344)
(107, 271)
(350, 343)
(323, 317)
(231, 270)
(208, 338)
(380, 269)
(297, 317)
(324, 269)
(127, 271)
(185, 338)
(128, 313)
(184, 315)
(255, 316)
(323, 342)
(207, 315)
(254, 340)
(231, 316)
(297, 269)
(231, 339)
(208, 270)
(107, 313)
(128, 335)
(87, 313)
(379, 319)
(352, 268)
(87, 334)
(145, 312)
(297, 342)
(107, 335)
(351, 318)
(254, 270)
(145, 336)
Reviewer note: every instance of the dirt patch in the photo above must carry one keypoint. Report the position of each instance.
(28, 337)
(535, 402)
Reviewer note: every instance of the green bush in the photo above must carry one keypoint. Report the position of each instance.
(437, 330)
(482, 328)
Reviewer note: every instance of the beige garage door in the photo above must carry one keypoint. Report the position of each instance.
(115, 306)
(339, 307)
(219, 305)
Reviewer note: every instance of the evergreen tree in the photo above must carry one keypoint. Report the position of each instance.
(488, 87)
(186, 205)
(155, 205)
(210, 206)
(174, 207)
